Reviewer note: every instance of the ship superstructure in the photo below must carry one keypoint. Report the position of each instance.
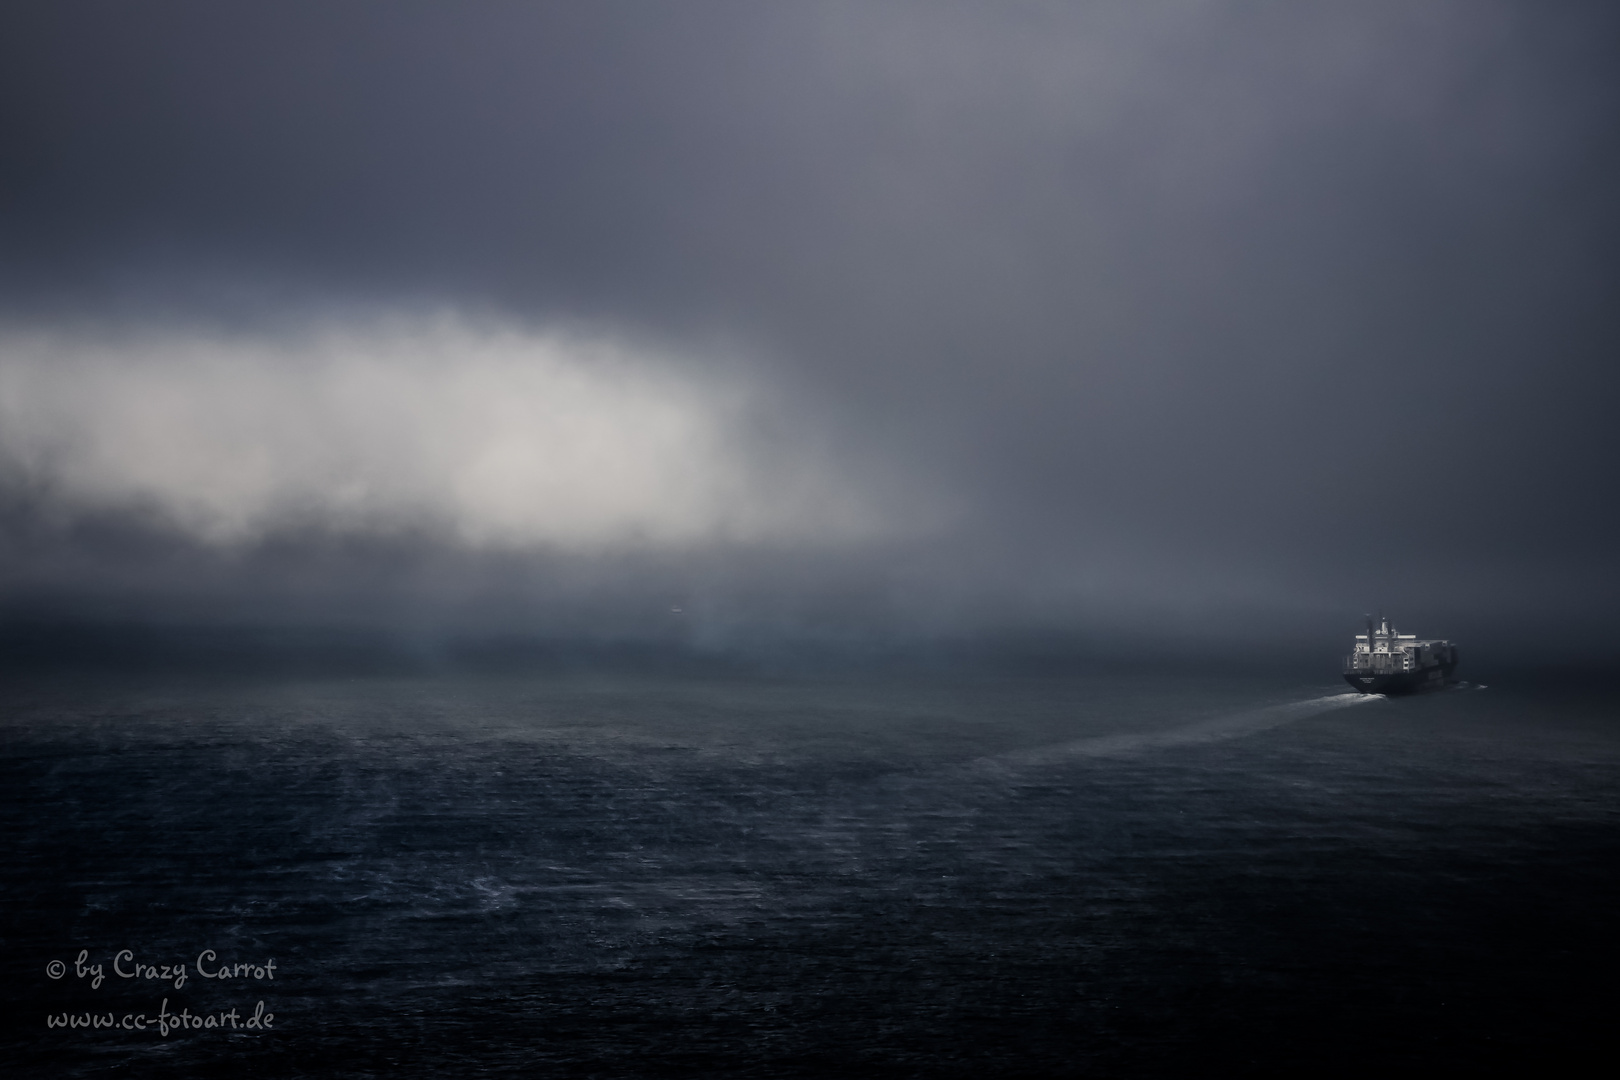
(1388, 662)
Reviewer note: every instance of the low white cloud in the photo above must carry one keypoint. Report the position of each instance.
(490, 435)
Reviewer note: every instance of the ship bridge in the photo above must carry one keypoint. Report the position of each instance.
(1385, 650)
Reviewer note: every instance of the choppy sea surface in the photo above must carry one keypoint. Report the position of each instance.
(919, 874)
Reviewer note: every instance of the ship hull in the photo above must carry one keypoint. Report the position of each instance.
(1399, 682)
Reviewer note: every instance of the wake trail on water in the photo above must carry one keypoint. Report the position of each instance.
(971, 783)
(1216, 729)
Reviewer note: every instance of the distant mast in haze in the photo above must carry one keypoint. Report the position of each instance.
(1387, 662)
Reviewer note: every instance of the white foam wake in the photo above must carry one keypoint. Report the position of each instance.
(1230, 726)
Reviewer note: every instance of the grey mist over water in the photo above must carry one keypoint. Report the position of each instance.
(735, 539)
(1168, 321)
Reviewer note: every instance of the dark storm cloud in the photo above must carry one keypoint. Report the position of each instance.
(1178, 308)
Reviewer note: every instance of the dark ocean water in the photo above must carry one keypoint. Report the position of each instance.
(610, 874)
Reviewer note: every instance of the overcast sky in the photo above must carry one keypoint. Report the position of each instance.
(815, 317)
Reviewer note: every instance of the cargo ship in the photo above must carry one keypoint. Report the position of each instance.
(1387, 662)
